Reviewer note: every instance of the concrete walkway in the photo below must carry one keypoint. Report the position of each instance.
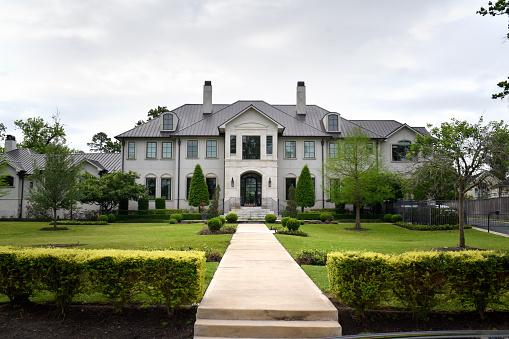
(259, 291)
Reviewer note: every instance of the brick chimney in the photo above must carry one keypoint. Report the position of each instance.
(301, 98)
(207, 97)
(10, 143)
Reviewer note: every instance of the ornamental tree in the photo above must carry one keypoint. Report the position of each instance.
(108, 190)
(461, 150)
(56, 184)
(305, 190)
(357, 173)
(198, 190)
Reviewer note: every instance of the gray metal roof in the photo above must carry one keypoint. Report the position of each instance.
(23, 160)
(193, 122)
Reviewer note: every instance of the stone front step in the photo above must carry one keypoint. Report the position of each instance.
(309, 314)
(208, 328)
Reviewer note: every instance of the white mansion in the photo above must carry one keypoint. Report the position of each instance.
(254, 150)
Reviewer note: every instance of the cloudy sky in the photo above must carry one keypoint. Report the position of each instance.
(104, 64)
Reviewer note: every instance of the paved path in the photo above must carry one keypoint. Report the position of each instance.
(259, 291)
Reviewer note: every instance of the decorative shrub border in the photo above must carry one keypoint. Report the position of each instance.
(161, 277)
(419, 280)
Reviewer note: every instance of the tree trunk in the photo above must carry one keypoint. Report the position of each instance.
(54, 218)
(461, 215)
(357, 216)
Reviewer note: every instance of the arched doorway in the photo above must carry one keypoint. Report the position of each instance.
(251, 189)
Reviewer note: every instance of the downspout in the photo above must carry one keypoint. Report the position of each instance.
(224, 168)
(323, 179)
(178, 177)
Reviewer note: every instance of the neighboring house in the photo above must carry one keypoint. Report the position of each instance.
(20, 165)
(254, 150)
(488, 186)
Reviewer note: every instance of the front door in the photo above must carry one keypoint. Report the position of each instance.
(251, 190)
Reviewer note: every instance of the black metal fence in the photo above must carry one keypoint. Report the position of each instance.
(483, 213)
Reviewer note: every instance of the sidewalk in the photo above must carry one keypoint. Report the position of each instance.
(259, 291)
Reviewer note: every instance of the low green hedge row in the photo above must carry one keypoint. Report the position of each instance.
(417, 227)
(80, 222)
(162, 216)
(162, 277)
(316, 216)
(419, 280)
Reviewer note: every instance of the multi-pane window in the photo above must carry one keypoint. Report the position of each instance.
(131, 150)
(7, 181)
(400, 151)
(269, 144)
(192, 148)
(150, 183)
(166, 188)
(289, 183)
(334, 189)
(233, 144)
(211, 186)
(167, 122)
(188, 186)
(211, 148)
(166, 150)
(309, 149)
(333, 150)
(290, 149)
(333, 123)
(151, 150)
(369, 147)
(251, 147)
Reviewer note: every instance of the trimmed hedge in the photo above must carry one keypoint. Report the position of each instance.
(417, 227)
(418, 280)
(162, 277)
(316, 216)
(270, 218)
(160, 203)
(185, 216)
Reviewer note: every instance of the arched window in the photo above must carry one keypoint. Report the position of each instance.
(333, 123)
(400, 150)
(150, 184)
(167, 122)
(290, 180)
(166, 186)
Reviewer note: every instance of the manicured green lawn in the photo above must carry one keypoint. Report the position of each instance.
(119, 236)
(385, 238)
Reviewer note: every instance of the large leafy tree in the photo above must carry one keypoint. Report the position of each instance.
(198, 190)
(102, 143)
(153, 113)
(356, 170)
(56, 184)
(430, 182)
(500, 7)
(305, 190)
(108, 190)
(39, 134)
(461, 149)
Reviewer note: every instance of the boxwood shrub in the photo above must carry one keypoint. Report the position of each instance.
(270, 218)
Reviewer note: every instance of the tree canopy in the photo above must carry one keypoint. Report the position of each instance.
(305, 190)
(461, 150)
(500, 7)
(198, 190)
(56, 184)
(107, 191)
(39, 134)
(429, 182)
(103, 144)
(153, 113)
(356, 171)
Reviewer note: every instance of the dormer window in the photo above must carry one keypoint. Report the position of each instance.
(168, 122)
(333, 123)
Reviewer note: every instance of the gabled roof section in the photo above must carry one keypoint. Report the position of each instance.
(386, 128)
(223, 125)
(23, 160)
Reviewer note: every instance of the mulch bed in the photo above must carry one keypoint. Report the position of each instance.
(98, 321)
